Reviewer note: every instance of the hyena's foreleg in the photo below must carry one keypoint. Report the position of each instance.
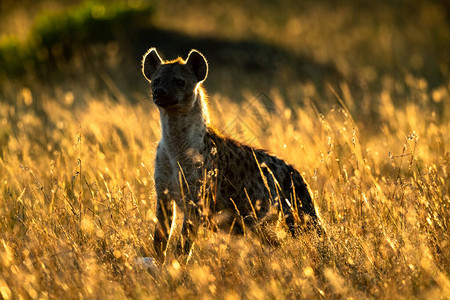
(164, 213)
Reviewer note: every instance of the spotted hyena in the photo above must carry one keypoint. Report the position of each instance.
(208, 174)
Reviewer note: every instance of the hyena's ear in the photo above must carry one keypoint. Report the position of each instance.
(198, 64)
(150, 63)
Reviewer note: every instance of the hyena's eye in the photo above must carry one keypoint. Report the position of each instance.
(156, 81)
(180, 82)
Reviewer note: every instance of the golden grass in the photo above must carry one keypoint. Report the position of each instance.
(78, 201)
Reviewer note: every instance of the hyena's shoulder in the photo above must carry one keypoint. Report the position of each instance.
(246, 165)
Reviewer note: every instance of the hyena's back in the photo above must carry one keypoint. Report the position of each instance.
(251, 181)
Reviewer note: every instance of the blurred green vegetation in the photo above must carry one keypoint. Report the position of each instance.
(56, 34)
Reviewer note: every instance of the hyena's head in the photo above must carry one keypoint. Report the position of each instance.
(174, 83)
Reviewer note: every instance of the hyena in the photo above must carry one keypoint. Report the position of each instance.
(206, 173)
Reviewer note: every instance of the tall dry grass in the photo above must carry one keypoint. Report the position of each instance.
(78, 204)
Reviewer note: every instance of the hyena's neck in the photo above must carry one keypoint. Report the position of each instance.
(183, 132)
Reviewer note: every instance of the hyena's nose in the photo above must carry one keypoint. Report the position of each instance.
(159, 92)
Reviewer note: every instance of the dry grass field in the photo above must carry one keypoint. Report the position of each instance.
(77, 200)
